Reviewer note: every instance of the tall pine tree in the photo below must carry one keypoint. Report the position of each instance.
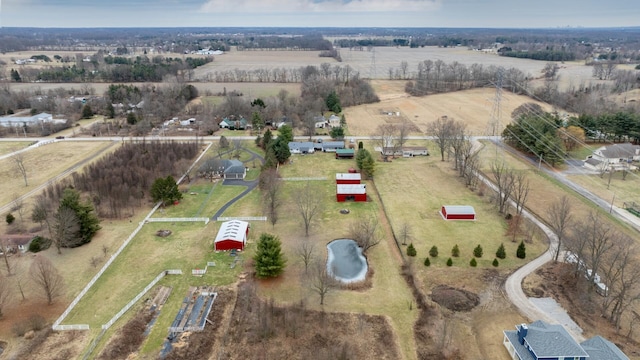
(269, 259)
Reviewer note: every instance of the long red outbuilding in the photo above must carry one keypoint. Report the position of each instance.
(458, 212)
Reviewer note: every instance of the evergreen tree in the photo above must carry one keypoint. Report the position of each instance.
(270, 160)
(256, 121)
(269, 259)
(449, 262)
(433, 252)
(286, 133)
(473, 262)
(87, 219)
(477, 252)
(427, 262)
(501, 253)
(365, 163)
(10, 218)
(495, 263)
(15, 75)
(165, 190)
(337, 133)
(267, 138)
(333, 102)
(411, 251)
(132, 119)
(111, 111)
(455, 252)
(87, 113)
(521, 253)
(281, 149)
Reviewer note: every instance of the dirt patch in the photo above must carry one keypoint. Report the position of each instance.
(259, 329)
(454, 299)
(163, 233)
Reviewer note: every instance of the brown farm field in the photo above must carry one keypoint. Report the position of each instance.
(473, 107)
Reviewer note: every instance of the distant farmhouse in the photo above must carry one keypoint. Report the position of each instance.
(235, 124)
(614, 157)
(35, 120)
(405, 151)
(301, 147)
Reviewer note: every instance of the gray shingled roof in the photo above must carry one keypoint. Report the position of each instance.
(593, 161)
(620, 151)
(600, 348)
(546, 341)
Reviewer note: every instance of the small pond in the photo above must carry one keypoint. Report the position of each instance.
(345, 261)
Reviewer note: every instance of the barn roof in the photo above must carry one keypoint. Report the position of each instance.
(459, 209)
(348, 176)
(351, 189)
(232, 230)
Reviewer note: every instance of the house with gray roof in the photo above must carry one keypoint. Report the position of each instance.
(332, 146)
(542, 341)
(11, 121)
(600, 348)
(301, 147)
(233, 123)
(234, 169)
(614, 157)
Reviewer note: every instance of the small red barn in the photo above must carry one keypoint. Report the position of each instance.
(458, 212)
(355, 192)
(348, 178)
(232, 235)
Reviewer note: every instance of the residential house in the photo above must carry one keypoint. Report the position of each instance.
(17, 244)
(301, 147)
(334, 121)
(406, 151)
(320, 122)
(234, 169)
(35, 120)
(613, 157)
(539, 340)
(332, 146)
(234, 124)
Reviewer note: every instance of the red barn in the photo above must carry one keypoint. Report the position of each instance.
(458, 212)
(355, 192)
(232, 235)
(348, 178)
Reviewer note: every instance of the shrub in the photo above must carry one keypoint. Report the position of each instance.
(433, 252)
(521, 253)
(455, 252)
(477, 252)
(501, 253)
(10, 218)
(37, 322)
(449, 262)
(20, 328)
(411, 251)
(495, 263)
(39, 243)
(473, 262)
(427, 262)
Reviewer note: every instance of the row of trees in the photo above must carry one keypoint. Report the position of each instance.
(438, 76)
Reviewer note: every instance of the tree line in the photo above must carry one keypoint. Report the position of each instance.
(120, 182)
(438, 76)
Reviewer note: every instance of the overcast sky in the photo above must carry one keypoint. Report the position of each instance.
(320, 13)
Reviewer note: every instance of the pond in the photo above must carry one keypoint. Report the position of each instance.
(345, 261)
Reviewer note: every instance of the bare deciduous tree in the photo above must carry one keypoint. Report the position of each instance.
(385, 135)
(309, 201)
(560, 221)
(46, 278)
(305, 250)
(41, 210)
(4, 247)
(5, 294)
(17, 205)
(458, 141)
(441, 129)
(364, 231)
(19, 164)
(321, 282)
(503, 178)
(271, 187)
(405, 233)
(65, 228)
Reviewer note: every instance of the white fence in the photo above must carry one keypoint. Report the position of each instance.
(205, 219)
(71, 327)
(102, 270)
(200, 272)
(305, 179)
(140, 295)
(243, 218)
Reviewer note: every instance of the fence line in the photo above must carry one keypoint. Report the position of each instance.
(71, 327)
(243, 218)
(305, 178)
(140, 295)
(200, 272)
(196, 219)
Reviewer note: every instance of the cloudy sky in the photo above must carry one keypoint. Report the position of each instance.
(320, 13)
